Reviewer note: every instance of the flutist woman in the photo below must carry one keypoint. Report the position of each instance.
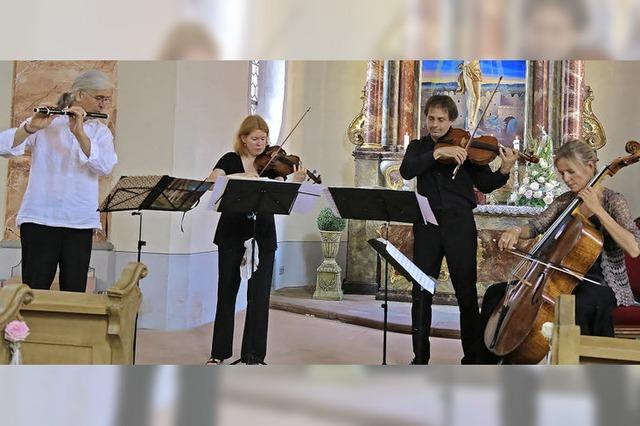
(59, 209)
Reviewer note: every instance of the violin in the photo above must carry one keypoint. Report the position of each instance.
(485, 148)
(554, 266)
(274, 159)
(481, 150)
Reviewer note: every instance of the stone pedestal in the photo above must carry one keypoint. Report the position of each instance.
(361, 258)
(329, 278)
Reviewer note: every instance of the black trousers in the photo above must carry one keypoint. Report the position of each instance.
(46, 247)
(456, 240)
(594, 304)
(254, 337)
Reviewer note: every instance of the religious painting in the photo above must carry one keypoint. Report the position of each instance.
(470, 84)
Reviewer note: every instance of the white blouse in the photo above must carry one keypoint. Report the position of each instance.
(63, 182)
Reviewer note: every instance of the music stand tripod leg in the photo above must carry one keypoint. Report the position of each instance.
(385, 305)
(141, 243)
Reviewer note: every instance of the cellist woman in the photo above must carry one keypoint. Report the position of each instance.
(609, 211)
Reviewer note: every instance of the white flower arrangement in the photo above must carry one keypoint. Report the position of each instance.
(539, 187)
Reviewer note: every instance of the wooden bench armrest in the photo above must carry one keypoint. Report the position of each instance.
(13, 297)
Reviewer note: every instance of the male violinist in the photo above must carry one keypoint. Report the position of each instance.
(455, 236)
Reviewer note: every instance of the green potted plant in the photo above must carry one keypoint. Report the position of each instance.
(328, 281)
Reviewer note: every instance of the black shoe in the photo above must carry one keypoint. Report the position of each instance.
(214, 361)
(252, 360)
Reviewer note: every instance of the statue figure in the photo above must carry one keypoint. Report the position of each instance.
(470, 80)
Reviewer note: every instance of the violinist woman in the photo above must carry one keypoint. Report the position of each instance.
(455, 236)
(608, 210)
(233, 230)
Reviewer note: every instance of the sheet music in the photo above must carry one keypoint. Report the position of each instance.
(425, 208)
(308, 196)
(218, 190)
(331, 202)
(416, 273)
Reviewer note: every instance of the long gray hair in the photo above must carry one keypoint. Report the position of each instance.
(89, 80)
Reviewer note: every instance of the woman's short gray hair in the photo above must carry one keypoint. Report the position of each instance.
(89, 80)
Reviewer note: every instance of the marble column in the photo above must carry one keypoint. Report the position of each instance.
(546, 87)
(573, 99)
(360, 272)
(409, 110)
(390, 105)
(373, 105)
(540, 100)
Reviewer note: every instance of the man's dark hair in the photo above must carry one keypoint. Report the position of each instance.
(442, 101)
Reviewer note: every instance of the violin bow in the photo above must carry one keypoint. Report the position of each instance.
(484, 111)
(284, 141)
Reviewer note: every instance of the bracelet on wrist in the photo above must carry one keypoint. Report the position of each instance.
(26, 129)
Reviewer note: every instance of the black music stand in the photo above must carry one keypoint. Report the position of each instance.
(253, 196)
(163, 193)
(382, 204)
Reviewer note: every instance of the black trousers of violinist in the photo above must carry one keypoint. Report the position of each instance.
(254, 337)
(594, 304)
(456, 240)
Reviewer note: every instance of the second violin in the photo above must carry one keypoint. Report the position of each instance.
(482, 150)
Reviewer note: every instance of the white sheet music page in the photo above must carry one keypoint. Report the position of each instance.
(217, 191)
(425, 208)
(308, 196)
(331, 202)
(416, 273)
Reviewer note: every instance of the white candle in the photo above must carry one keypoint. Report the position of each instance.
(406, 140)
(516, 143)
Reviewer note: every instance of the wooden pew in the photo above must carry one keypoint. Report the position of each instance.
(569, 347)
(75, 328)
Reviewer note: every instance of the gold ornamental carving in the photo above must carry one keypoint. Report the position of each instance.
(592, 129)
(355, 131)
(392, 177)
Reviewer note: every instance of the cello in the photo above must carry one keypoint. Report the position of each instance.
(554, 266)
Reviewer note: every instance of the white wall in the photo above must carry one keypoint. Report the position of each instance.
(175, 118)
(212, 101)
(617, 105)
(144, 144)
(332, 90)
